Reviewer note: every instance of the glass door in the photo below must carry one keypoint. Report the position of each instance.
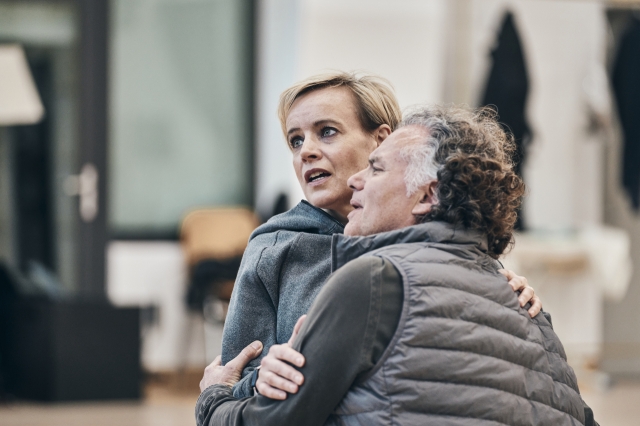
(52, 221)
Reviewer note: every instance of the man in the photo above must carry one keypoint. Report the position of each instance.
(418, 323)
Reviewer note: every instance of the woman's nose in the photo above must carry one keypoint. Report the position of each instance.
(310, 150)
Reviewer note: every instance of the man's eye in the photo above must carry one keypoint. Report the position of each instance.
(296, 142)
(328, 131)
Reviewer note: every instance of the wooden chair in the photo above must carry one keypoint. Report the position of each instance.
(219, 234)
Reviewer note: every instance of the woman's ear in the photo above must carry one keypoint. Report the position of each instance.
(381, 133)
(427, 199)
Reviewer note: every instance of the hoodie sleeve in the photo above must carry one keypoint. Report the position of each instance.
(252, 311)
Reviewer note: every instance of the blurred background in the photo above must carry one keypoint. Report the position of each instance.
(139, 147)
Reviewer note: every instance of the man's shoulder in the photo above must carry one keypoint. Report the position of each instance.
(360, 265)
(356, 276)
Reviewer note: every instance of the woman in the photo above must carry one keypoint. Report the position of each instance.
(332, 123)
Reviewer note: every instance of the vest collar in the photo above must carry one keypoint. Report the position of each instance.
(345, 249)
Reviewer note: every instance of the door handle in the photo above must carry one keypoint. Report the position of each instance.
(85, 185)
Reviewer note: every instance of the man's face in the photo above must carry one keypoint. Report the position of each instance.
(379, 192)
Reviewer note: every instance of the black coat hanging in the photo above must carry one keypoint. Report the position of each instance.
(626, 87)
(508, 87)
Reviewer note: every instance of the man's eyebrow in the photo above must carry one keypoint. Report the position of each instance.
(373, 160)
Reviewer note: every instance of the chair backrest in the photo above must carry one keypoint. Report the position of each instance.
(218, 233)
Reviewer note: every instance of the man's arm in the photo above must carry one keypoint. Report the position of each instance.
(340, 339)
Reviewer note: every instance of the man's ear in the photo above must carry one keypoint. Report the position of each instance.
(427, 199)
(381, 133)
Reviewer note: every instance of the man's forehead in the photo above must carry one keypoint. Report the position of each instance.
(399, 140)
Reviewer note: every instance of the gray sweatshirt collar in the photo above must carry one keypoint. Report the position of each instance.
(302, 218)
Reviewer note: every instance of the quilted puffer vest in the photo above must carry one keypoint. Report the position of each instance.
(464, 352)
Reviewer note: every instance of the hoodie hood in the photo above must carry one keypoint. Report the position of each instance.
(302, 218)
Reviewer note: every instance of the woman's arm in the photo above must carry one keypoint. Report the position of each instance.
(252, 314)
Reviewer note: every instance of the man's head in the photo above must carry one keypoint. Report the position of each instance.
(443, 163)
(381, 199)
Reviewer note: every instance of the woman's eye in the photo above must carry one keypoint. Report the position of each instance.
(296, 142)
(328, 131)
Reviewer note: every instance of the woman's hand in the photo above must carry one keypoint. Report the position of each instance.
(216, 373)
(527, 294)
(276, 377)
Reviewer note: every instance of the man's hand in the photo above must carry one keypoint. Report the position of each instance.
(229, 374)
(275, 375)
(527, 294)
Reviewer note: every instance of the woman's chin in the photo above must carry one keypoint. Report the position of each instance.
(322, 199)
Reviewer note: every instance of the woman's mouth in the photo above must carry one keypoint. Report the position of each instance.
(316, 176)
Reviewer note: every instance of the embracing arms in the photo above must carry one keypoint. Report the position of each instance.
(346, 331)
(277, 375)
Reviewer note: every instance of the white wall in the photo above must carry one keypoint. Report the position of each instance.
(403, 41)
(277, 28)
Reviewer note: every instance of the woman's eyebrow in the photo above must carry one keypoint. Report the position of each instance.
(326, 121)
(318, 123)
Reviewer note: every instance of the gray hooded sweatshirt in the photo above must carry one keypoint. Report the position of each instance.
(286, 263)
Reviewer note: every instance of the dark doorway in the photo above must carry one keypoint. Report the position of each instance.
(32, 174)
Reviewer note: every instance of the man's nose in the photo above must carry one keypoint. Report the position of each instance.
(310, 150)
(356, 182)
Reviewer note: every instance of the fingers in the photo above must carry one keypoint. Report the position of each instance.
(296, 328)
(276, 377)
(536, 306)
(266, 390)
(216, 362)
(526, 296)
(248, 353)
(286, 353)
(274, 386)
(515, 281)
(507, 273)
(283, 371)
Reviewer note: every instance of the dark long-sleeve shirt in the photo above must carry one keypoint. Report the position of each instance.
(346, 332)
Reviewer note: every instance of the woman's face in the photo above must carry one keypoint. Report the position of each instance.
(329, 145)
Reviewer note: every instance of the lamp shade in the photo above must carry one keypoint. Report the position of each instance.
(19, 99)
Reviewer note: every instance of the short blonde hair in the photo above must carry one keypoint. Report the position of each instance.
(374, 96)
